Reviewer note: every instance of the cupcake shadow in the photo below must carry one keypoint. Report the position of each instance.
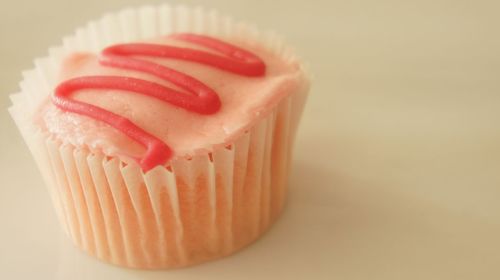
(320, 212)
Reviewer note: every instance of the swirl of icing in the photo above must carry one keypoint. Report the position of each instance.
(201, 98)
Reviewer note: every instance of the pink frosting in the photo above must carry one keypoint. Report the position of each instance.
(244, 101)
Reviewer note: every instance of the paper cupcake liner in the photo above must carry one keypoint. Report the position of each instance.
(196, 209)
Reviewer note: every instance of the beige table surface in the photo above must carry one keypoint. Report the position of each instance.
(397, 167)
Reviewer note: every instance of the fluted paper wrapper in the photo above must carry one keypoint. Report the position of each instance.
(194, 210)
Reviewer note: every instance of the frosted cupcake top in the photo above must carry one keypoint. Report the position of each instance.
(166, 97)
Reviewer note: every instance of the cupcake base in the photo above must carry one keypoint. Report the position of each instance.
(196, 210)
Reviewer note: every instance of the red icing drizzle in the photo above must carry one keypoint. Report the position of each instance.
(202, 99)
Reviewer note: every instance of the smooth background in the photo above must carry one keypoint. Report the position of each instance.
(397, 167)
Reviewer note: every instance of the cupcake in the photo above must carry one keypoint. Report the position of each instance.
(164, 135)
